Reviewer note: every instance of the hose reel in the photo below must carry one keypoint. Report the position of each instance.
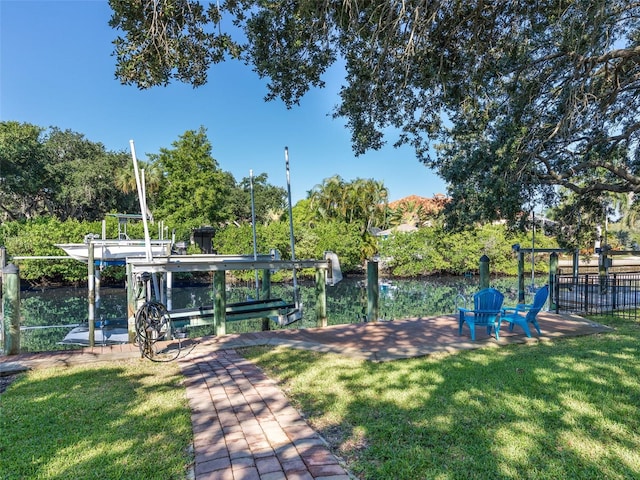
(153, 324)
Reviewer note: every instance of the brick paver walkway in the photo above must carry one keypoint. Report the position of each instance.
(245, 428)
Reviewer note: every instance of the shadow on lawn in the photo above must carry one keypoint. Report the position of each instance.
(566, 409)
(91, 423)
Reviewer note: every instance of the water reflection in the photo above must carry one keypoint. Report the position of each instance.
(61, 308)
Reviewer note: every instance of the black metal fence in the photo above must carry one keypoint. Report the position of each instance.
(593, 294)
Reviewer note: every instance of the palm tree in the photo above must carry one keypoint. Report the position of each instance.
(374, 197)
(125, 178)
(328, 198)
(362, 200)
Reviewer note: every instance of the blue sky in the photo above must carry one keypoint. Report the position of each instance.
(57, 69)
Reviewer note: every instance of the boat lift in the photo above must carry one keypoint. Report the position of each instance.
(553, 265)
(327, 273)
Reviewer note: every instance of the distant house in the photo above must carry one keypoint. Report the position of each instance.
(402, 228)
(410, 213)
(429, 206)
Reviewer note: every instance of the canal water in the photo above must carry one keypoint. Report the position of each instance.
(47, 315)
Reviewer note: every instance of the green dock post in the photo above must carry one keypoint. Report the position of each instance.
(265, 294)
(11, 308)
(3, 263)
(484, 272)
(321, 297)
(220, 302)
(553, 270)
(91, 278)
(521, 277)
(373, 293)
(603, 268)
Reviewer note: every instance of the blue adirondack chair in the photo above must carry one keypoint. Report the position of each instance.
(524, 314)
(487, 307)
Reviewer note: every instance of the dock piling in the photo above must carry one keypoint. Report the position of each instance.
(11, 308)
(373, 292)
(321, 297)
(484, 272)
(91, 266)
(220, 302)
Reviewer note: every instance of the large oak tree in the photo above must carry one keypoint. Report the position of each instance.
(57, 172)
(513, 102)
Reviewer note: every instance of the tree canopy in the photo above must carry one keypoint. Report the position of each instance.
(60, 173)
(269, 200)
(509, 101)
(22, 161)
(193, 188)
(56, 172)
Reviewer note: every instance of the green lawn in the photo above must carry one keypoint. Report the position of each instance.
(129, 420)
(568, 409)
(563, 410)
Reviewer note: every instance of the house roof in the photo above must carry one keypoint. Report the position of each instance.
(434, 204)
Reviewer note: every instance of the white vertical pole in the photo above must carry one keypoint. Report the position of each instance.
(169, 291)
(143, 206)
(291, 237)
(253, 227)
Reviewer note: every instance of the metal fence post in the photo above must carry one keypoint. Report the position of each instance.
(586, 293)
(553, 270)
(265, 294)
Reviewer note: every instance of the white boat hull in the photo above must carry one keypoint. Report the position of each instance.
(102, 336)
(114, 250)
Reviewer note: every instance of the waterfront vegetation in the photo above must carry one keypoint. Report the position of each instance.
(68, 196)
(546, 410)
(428, 251)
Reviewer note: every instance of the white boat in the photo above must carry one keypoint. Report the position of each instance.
(115, 250)
(106, 335)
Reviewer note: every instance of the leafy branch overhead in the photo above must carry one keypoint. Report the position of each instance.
(507, 100)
